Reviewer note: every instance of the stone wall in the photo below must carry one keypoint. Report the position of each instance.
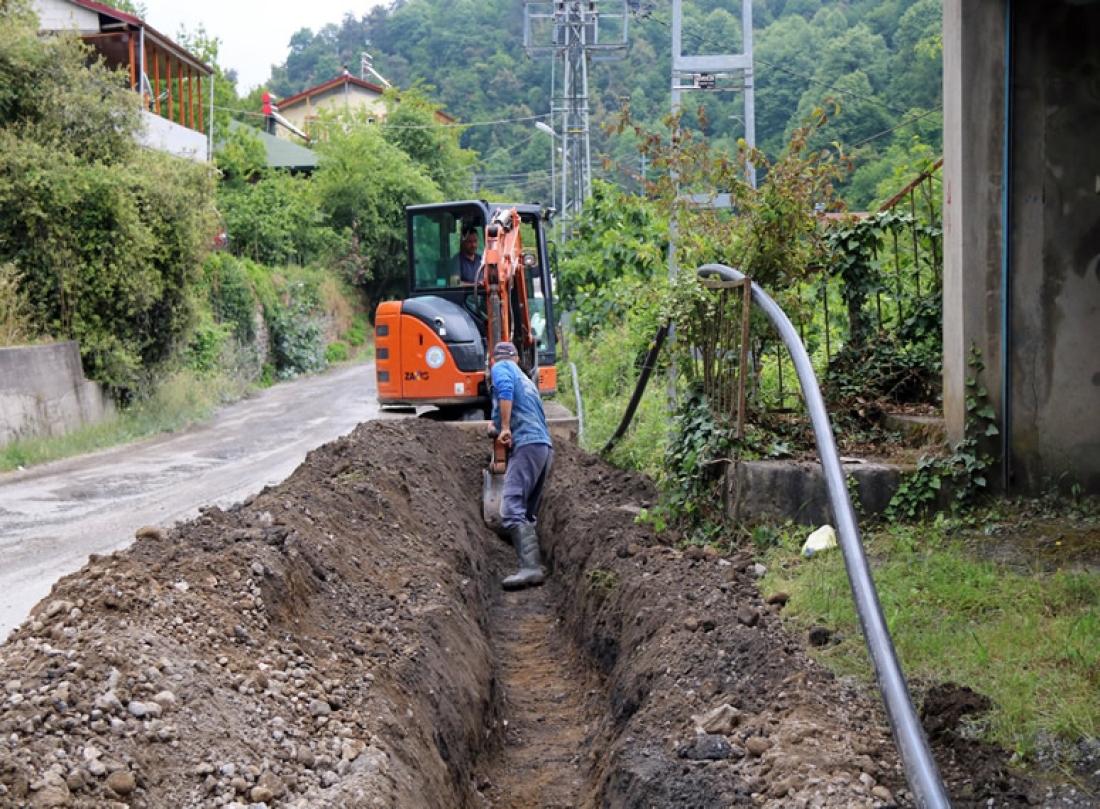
(43, 392)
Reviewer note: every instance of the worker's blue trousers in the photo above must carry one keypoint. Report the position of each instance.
(524, 479)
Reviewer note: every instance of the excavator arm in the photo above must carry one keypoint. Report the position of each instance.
(504, 283)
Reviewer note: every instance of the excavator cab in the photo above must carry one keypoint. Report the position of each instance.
(433, 347)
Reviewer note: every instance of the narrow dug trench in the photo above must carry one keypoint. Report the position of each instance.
(341, 640)
(545, 697)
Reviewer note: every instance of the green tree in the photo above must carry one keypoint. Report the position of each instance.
(106, 237)
(107, 250)
(276, 220)
(45, 87)
(917, 64)
(137, 9)
(619, 246)
(412, 126)
(850, 74)
(363, 184)
(241, 156)
(313, 59)
(787, 52)
(470, 52)
(802, 8)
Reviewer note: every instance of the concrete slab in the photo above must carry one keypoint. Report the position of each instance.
(777, 491)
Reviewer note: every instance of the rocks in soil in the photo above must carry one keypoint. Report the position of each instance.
(819, 636)
(706, 747)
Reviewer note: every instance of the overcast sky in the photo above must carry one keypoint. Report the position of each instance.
(254, 35)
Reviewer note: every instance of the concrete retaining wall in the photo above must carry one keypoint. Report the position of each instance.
(776, 491)
(43, 392)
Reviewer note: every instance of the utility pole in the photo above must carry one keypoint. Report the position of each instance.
(572, 33)
(729, 72)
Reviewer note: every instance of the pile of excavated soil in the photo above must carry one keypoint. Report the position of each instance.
(341, 640)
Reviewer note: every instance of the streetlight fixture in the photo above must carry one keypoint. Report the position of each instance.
(542, 126)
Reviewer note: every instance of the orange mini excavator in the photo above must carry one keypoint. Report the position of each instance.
(434, 348)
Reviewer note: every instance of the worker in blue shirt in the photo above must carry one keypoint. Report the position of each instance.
(520, 422)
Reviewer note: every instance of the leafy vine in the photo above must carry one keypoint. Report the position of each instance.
(963, 473)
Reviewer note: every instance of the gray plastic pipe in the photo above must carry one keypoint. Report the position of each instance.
(916, 757)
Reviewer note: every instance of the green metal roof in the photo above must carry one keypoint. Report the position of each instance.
(282, 154)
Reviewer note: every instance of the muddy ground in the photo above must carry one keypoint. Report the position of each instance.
(341, 640)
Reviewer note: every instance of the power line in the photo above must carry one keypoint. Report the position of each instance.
(898, 126)
(519, 120)
(518, 174)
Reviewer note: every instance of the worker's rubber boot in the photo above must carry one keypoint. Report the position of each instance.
(526, 542)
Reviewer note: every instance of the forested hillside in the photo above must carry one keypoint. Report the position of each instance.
(878, 60)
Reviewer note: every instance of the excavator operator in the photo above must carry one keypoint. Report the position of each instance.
(520, 422)
(468, 261)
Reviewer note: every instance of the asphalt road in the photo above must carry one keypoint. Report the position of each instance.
(52, 517)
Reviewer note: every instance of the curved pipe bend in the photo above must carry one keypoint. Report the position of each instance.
(916, 757)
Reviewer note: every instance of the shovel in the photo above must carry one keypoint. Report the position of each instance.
(493, 491)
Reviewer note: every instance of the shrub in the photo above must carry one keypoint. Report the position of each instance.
(356, 334)
(336, 352)
(297, 340)
(108, 252)
(231, 294)
(16, 322)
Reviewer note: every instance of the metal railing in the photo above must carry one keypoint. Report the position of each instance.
(901, 271)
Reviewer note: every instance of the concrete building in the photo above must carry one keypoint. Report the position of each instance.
(171, 83)
(342, 94)
(1022, 234)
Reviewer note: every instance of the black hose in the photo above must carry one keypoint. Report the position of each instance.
(648, 365)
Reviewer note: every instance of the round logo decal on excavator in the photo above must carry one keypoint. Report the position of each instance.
(435, 357)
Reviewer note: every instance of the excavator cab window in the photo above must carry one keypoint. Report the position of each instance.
(437, 244)
(537, 301)
(429, 243)
(535, 294)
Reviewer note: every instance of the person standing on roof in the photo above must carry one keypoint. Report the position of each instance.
(520, 422)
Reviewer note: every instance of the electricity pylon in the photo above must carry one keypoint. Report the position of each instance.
(569, 32)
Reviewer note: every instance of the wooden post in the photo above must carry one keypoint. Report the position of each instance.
(746, 314)
(156, 78)
(144, 72)
(179, 87)
(190, 99)
(168, 84)
(133, 67)
(201, 127)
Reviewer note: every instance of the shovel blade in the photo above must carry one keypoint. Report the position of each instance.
(492, 496)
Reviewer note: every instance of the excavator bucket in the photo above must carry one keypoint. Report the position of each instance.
(491, 499)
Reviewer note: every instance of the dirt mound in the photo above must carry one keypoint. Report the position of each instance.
(341, 640)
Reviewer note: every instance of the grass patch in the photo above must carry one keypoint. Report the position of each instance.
(607, 371)
(1029, 640)
(178, 401)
